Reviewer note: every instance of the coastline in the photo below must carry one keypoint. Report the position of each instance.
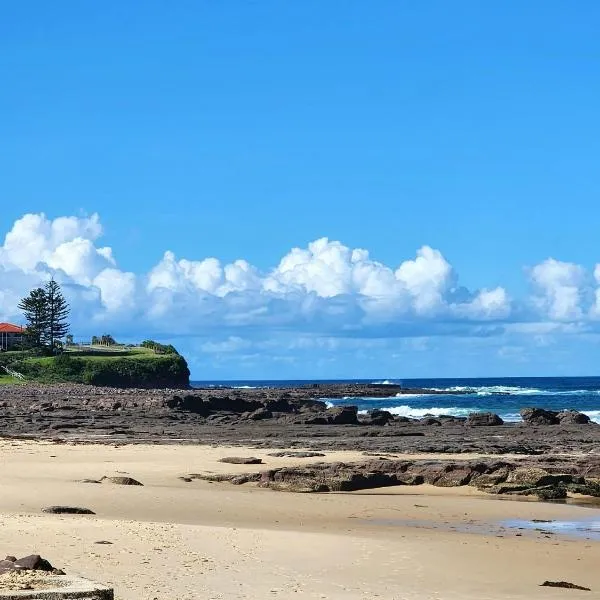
(187, 532)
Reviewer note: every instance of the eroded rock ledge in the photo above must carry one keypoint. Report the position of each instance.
(547, 478)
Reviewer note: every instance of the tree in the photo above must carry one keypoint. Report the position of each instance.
(34, 308)
(57, 311)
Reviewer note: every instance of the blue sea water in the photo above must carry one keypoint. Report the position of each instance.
(504, 396)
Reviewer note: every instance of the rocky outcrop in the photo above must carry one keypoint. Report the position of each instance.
(572, 417)
(540, 416)
(484, 419)
(342, 415)
(545, 479)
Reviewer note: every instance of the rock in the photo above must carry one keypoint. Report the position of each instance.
(318, 420)
(67, 510)
(572, 417)
(33, 562)
(535, 477)
(343, 415)
(292, 454)
(484, 419)
(57, 572)
(539, 416)
(260, 414)
(120, 480)
(241, 460)
(430, 421)
(379, 417)
(103, 542)
(565, 584)
(11, 558)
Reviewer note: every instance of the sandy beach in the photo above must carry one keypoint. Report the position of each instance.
(190, 540)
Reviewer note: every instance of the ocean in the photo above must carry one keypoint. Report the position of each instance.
(503, 396)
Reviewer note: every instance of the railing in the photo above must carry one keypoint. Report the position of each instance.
(12, 373)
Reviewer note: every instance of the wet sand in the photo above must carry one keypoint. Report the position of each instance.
(190, 540)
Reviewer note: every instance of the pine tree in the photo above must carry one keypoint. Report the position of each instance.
(57, 311)
(34, 308)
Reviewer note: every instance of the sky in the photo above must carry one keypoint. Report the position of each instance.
(310, 189)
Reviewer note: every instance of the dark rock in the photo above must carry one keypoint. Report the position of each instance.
(260, 414)
(33, 562)
(430, 421)
(11, 558)
(343, 415)
(484, 419)
(292, 454)
(57, 572)
(379, 417)
(565, 584)
(120, 480)
(241, 460)
(67, 510)
(539, 416)
(572, 417)
(103, 542)
(315, 421)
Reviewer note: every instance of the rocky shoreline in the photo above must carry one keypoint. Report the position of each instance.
(275, 417)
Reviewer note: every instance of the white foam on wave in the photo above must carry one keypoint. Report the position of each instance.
(417, 413)
(386, 382)
(245, 387)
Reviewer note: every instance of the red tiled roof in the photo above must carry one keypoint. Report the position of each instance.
(8, 328)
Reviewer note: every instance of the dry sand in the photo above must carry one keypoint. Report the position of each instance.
(172, 540)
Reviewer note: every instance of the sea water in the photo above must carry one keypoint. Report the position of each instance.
(504, 396)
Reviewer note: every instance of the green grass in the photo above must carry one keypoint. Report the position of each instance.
(7, 380)
(126, 367)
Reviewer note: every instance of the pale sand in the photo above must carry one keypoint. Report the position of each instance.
(182, 541)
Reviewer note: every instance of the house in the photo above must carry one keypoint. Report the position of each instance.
(10, 335)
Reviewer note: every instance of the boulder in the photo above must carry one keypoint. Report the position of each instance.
(430, 421)
(33, 562)
(572, 417)
(484, 419)
(539, 416)
(379, 417)
(343, 415)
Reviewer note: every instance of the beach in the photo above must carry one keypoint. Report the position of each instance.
(172, 538)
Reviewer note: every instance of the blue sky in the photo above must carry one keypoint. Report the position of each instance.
(242, 130)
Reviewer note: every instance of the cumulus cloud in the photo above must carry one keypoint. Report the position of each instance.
(325, 289)
(560, 289)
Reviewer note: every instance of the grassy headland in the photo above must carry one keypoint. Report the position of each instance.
(119, 367)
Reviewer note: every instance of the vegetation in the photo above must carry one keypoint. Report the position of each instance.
(46, 360)
(46, 312)
(131, 368)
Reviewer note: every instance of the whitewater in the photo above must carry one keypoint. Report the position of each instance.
(503, 396)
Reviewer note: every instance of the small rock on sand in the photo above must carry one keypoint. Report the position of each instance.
(241, 460)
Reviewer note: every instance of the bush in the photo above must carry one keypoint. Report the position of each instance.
(159, 348)
(143, 371)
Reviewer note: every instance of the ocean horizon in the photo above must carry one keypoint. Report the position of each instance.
(504, 396)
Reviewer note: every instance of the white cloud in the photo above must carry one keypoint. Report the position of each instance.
(559, 284)
(326, 290)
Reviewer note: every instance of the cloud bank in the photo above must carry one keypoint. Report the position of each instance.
(326, 289)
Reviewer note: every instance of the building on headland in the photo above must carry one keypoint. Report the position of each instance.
(10, 335)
